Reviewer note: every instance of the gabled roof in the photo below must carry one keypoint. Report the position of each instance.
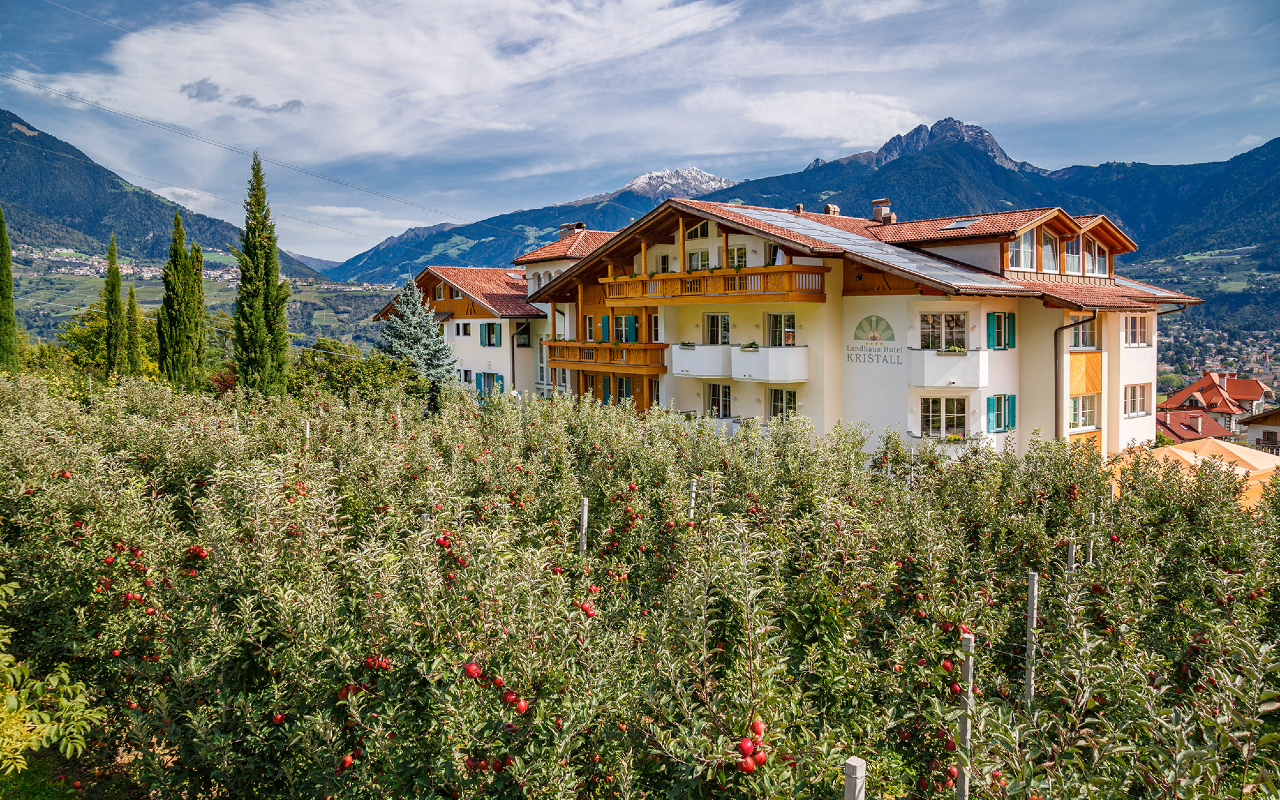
(1271, 416)
(500, 291)
(574, 246)
(1180, 426)
(1219, 392)
(1000, 223)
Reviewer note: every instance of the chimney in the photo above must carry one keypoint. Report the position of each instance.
(880, 210)
(799, 208)
(1195, 422)
(832, 209)
(570, 228)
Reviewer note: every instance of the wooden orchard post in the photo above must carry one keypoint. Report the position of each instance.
(582, 528)
(693, 496)
(1071, 557)
(966, 718)
(855, 779)
(1033, 597)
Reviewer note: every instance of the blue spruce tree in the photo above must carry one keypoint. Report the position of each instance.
(413, 336)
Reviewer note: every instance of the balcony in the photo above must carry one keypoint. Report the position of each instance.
(771, 364)
(940, 369)
(784, 283)
(630, 357)
(702, 361)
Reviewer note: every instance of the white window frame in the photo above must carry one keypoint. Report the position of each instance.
(1084, 337)
(653, 328)
(1136, 331)
(1084, 412)
(783, 318)
(950, 327)
(697, 259)
(1049, 251)
(719, 400)
(664, 263)
(951, 415)
(439, 292)
(1137, 400)
(591, 328)
(721, 326)
(1072, 263)
(782, 402)
(457, 293)
(1022, 252)
(736, 256)
(700, 231)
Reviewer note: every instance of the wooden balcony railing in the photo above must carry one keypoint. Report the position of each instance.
(802, 283)
(630, 354)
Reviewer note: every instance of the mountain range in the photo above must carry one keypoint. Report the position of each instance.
(53, 195)
(948, 168)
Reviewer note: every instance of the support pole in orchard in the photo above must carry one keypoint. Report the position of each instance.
(1093, 516)
(235, 416)
(966, 717)
(307, 436)
(1071, 557)
(1033, 598)
(582, 528)
(693, 496)
(855, 779)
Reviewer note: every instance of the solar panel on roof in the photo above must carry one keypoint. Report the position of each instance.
(892, 255)
(1147, 289)
(958, 224)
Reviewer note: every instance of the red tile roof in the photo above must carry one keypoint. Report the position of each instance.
(574, 246)
(500, 290)
(1180, 426)
(1220, 392)
(1080, 296)
(999, 223)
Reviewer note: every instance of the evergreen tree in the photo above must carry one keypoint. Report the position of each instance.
(133, 336)
(114, 308)
(261, 327)
(413, 336)
(8, 321)
(181, 324)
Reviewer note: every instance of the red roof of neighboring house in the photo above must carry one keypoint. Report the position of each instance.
(1104, 297)
(501, 291)
(999, 223)
(1221, 392)
(1180, 426)
(574, 246)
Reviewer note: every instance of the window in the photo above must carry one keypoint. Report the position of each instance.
(942, 417)
(1095, 259)
(782, 402)
(1022, 252)
(439, 291)
(466, 329)
(782, 330)
(490, 334)
(624, 328)
(1135, 332)
(775, 255)
(1135, 400)
(457, 329)
(1049, 252)
(717, 328)
(664, 263)
(589, 385)
(521, 334)
(1085, 335)
(943, 331)
(718, 401)
(542, 363)
(590, 328)
(653, 329)
(466, 376)
(457, 293)
(655, 392)
(624, 387)
(488, 383)
(563, 375)
(698, 259)
(1002, 330)
(537, 282)
(736, 257)
(1084, 411)
(700, 231)
(1270, 437)
(1002, 413)
(1071, 256)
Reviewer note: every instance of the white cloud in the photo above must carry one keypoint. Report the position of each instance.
(848, 119)
(1251, 140)
(200, 202)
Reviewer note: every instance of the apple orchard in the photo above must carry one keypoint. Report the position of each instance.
(320, 597)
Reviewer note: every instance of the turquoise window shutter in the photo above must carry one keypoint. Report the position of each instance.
(991, 414)
(991, 330)
(497, 382)
(1011, 410)
(497, 338)
(604, 328)
(1011, 333)
(605, 384)
(479, 383)
(631, 328)
(484, 336)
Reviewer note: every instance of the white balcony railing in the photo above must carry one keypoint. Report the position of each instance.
(931, 369)
(771, 364)
(701, 361)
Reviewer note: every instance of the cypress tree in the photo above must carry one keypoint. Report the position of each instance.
(133, 336)
(8, 322)
(261, 327)
(413, 336)
(180, 327)
(114, 309)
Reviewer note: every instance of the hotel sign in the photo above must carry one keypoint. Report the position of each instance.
(874, 343)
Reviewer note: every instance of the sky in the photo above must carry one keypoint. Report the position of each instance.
(455, 110)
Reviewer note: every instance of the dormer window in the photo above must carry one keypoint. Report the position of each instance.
(439, 291)
(1049, 255)
(457, 293)
(1095, 258)
(700, 231)
(1071, 257)
(1022, 252)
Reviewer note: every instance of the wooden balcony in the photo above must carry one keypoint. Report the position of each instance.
(631, 357)
(786, 283)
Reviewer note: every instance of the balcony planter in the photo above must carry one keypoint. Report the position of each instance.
(750, 348)
(953, 352)
(688, 346)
